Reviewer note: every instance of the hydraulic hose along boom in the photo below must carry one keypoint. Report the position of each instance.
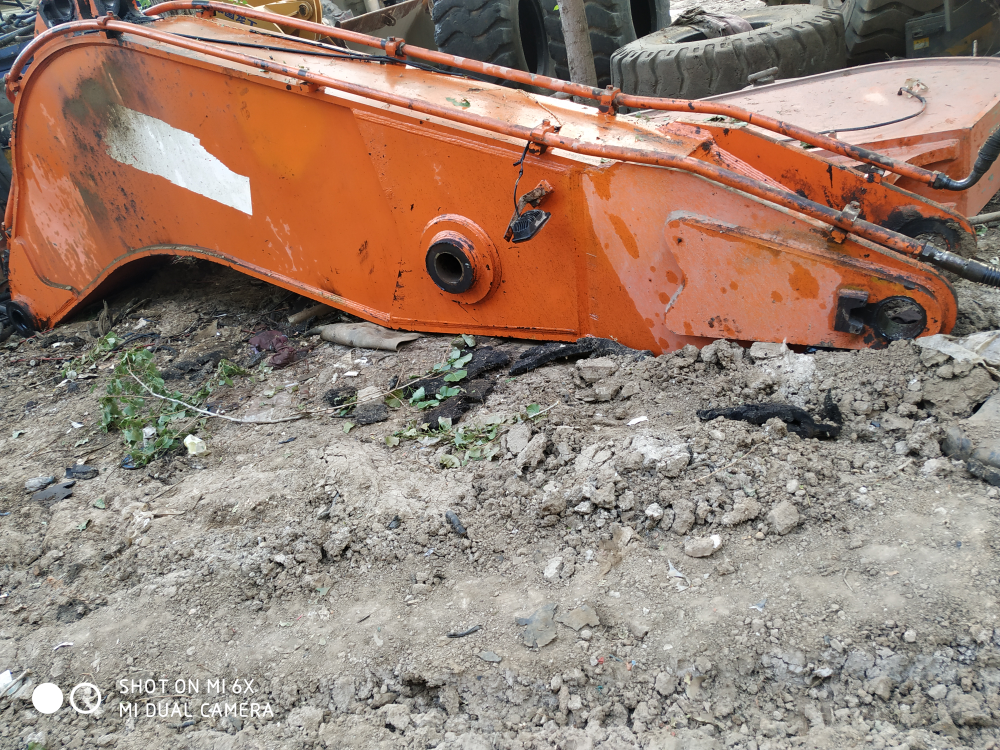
(612, 99)
(843, 291)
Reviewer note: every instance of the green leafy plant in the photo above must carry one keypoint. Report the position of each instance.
(454, 372)
(130, 404)
(101, 348)
(473, 443)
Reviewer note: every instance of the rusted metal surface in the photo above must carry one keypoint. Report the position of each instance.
(963, 107)
(156, 143)
(609, 99)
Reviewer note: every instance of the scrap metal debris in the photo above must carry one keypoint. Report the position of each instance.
(587, 346)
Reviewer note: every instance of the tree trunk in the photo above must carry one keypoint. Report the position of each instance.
(579, 54)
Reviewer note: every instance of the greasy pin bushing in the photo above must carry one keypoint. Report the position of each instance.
(450, 262)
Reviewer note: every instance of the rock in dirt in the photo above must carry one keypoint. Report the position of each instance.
(579, 618)
(533, 454)
(306, 717)
(665, 684)
(783, 517)
(396, 716)
(518, 438)
(638, 628)
(670, 459)
(702, 546)
(553, 568)
(743, 510)
(335, 545)
(683, 516)
(38, 483)
(490, 657)
(593, 370)
(540, 626)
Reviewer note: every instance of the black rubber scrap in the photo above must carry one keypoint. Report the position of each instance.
(82, 471)
(474, 388)
(588, 346)
(340, 396)
(370, 413)
(456, 524)
(483, 360)
(54, 494)
(454, 407)
(798, 420)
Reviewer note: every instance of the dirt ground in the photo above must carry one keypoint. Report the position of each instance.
(296, 586)
(688, 584)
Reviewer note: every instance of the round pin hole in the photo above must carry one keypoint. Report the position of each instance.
(898, 318)
(450, 265)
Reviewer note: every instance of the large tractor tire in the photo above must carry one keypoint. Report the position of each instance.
(875, 29)
(613, 24)
(680, 62)
(503, 32)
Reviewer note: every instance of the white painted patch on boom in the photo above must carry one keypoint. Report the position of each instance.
(154, 147)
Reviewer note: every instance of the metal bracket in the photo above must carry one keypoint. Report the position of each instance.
(606, 101)
(850, 214)
(849, 303)
(394, 47)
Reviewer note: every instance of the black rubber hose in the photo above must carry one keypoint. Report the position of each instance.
(987, 155)
(973, 270)
(10, 36)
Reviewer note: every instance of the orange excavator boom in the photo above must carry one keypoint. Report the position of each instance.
(426, 200)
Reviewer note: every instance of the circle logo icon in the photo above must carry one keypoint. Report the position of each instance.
(47, 698)
(89, 698)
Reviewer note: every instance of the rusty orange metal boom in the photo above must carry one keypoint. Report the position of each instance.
(389, 190)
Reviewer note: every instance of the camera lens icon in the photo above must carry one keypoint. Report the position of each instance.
(85, 698)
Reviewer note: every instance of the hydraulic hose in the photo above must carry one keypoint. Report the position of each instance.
(967, 268)
(987, 155)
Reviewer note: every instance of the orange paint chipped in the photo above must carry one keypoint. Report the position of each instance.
(664, 297)
(776, 297)
(625, 235)
(733, 285)
(602, 185)
(802, 281)
(671, 277)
